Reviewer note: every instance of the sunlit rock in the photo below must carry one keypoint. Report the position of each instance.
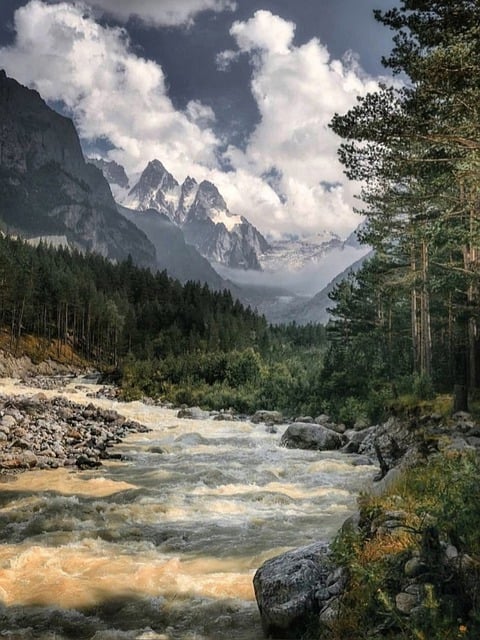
(287, 588)
(269, 417)
(302, 435)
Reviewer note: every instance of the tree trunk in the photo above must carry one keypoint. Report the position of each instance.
(460, 398)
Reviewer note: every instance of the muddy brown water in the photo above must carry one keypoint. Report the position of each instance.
(164, 544)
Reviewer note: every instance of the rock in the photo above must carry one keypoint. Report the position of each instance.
(39, 397)
(111, 416)
(474, 441)
(337, 581)
(227, 417)
(85, 462)
(330, 613)
(286, 587)
(339, 428)
(414, 567)
(21, 444)
(451, 552)
(7, 422)
(301, 435)
(350, 447)
(352, 524)
(269, 417)
(462, 416)
(359, 436)
(360, 424)
(306, 419)
(30, 459)
(405, 602)
(323, 418)
(392, 477)
(458, 444)
(193, 413)
(465, 427)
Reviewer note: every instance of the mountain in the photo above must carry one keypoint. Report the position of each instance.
(179, 259)
(113, 172)
(315, 309)
(201, 212)
(297, 253)
(47, 188)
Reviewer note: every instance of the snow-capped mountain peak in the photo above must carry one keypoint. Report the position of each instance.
(156, 189)
(209, 203)
(203, 215)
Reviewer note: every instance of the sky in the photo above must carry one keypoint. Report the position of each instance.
(238, 92)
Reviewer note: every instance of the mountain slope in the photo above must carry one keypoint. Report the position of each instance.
(315, 309)
(174, 255)
(47, 188)
(201, 211)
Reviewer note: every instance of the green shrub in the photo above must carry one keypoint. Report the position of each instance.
(443, 497)
(351, 411)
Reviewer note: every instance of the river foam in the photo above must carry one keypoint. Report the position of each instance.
(164, 544)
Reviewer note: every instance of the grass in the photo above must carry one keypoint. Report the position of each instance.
(438, 501)
(40, 349)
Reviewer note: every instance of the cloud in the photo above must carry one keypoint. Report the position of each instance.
(264, 31)
(297, 90)
(111, 92)
(286, 179)
(224, 59)
(161, 12)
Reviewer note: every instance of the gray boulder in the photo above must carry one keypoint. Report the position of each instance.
(302, 435)
(193, 413)
(287, 590)
(269, 417)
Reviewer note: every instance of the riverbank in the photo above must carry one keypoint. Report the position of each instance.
(41, 433)
(407, 565)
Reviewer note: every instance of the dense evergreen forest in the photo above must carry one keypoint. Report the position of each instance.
(410, 319)
(180, 342)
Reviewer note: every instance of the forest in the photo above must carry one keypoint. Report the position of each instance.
(409, 320)
(182, 343)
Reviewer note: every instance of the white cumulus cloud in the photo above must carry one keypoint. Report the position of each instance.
(286, 179)
(297, 90)
(111, 91)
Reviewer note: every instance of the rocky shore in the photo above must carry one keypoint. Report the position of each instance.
(305, 588)
(41, 433)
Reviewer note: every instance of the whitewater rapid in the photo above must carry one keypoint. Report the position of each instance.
(164, 543)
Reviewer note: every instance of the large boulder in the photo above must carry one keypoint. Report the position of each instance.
(303, 435)
(291, 590)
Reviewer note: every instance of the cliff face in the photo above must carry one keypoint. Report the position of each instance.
(46, 187)
(201, 212)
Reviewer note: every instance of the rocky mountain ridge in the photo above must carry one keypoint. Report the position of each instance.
(50, 194)
(181, 260)
(47, 188)
(202, 213)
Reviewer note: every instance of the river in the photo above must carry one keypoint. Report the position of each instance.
(163, 544)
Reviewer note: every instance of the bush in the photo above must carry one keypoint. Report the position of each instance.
(441, 498)
(351, 411)
(423, 387)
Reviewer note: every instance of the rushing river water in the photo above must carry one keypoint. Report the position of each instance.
(163, 545)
